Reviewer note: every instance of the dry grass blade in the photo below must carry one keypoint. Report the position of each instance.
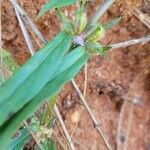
(64, 128)
(28, 20)
(1, 56)
(145, 18)
(96, 123)
(130, 42)
(25, 33)
(85, 80)
(84, 94)
(62, 133)
(59, 141)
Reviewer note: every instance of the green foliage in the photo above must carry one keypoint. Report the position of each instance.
(32, 77)
(24, 137)
(66, 24)
(55, 4)
(48, 113)
(112, 23)
(94, 47)
(19, 142)
(96, 33)
(8, 61)
(81, 20)
(70, 66)
(7, 67)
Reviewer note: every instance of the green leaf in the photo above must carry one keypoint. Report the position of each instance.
(96, 48)
(47, 145)
(48, 113)
(9, 61)
(7, 67)
(66, 24)
(70, 66)
(112, 23)
(81, 19)
(19, 142)
(32, 77)
(55, 4)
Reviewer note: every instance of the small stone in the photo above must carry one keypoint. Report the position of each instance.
(122, 138)
(75, 117)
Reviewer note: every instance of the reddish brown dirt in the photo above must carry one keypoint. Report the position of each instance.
(111, 80)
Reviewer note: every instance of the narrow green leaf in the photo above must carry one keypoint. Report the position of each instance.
(7, 67)
(112, 23)
(65, 23)
(26, 70)
(36, 80)
(95, 47)
(55, 4)
(48, 113)
(19, 142)
(9, 61)
(70, 66)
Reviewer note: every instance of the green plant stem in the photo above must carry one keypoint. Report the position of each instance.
(100, 11)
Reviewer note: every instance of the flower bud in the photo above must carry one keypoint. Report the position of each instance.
(96, 33)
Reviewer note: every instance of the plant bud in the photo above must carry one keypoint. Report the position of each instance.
(96, 33)
(81, 21)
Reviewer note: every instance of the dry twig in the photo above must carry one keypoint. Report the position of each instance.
(96, 123)
(64, 128)
(142, 17)
(130, 42)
